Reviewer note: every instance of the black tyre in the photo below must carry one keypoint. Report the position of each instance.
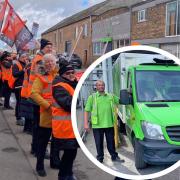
(138, 155)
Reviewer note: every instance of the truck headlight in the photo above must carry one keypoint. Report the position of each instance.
(152, 131)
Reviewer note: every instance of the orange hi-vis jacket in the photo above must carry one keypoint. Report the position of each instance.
(6, 73)
(33, 72)
(24, 90)
(12, 79)
(61, 119)
(47, 89)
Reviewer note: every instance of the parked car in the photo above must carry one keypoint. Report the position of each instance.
(75, 60)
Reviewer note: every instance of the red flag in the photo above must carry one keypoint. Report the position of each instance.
(13, 25)
(3, 5)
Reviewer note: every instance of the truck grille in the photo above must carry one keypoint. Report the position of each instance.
(173, 133)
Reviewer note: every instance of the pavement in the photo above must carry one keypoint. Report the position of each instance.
(16, 162)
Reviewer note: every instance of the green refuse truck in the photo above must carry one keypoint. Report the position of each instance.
(149, 89)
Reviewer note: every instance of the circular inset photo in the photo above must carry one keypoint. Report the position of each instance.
(125, 112)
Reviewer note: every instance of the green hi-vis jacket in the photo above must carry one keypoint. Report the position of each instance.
(94, 112)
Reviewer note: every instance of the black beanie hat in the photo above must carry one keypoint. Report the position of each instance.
(45, 42)
(4, 55)
(64, 66)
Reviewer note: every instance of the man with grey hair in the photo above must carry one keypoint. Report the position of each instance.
(102, 105)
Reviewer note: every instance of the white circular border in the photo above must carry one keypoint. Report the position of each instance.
(74, 120)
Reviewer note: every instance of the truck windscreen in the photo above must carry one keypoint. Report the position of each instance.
(157, 86)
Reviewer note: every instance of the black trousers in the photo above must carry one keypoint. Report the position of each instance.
(6, 93)
(44, 135)
(17, 92)
(35, 128)
(67, 163)
(99, 141)
(28, 125)
(54, 154)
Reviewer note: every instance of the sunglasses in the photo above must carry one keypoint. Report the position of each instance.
(69, 72)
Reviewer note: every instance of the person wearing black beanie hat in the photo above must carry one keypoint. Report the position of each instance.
(64, 138)
(44, 43)
(4, 55)
(6, 64)
(64, 66)
(45, 48)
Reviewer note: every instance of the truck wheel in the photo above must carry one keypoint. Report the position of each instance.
(138, 155)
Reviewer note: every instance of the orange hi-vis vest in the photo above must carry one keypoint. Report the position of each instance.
(24, 90)
(61, 119)
(33, 72)
(6, 73)
(47, 88)
(12, 79)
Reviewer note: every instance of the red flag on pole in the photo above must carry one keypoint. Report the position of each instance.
(13, 25)
(3, 5)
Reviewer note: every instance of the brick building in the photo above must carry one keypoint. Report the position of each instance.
(64, 34)
(157, 23)
(121, 22)
(113, 26)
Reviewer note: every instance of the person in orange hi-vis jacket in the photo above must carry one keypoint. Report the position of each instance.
(45, 48)
(63, 89)
(6, 68)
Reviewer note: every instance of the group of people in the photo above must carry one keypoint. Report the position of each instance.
(43, 88)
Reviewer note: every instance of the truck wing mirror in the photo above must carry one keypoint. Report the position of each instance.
(125, 97)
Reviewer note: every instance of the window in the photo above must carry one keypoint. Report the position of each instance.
(68, 47)
(117, 45)
(173, 18)
(129, 81)
(85, 30)
(60, 36)
(127, 42)
(97, 48)
(122, 43)
(142, 15)
(55, 39)
(76, 32)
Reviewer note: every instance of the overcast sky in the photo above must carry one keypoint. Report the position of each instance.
(48, 12)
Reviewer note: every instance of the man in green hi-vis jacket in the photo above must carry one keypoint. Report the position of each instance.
(101, 105)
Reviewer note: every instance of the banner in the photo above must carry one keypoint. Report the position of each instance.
(13, 25)
(33, 43)
(35, 28)
(23, 37)
(3, 5)
(7, 40)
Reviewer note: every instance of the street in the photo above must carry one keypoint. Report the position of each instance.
(125, 152)
(17, 162)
